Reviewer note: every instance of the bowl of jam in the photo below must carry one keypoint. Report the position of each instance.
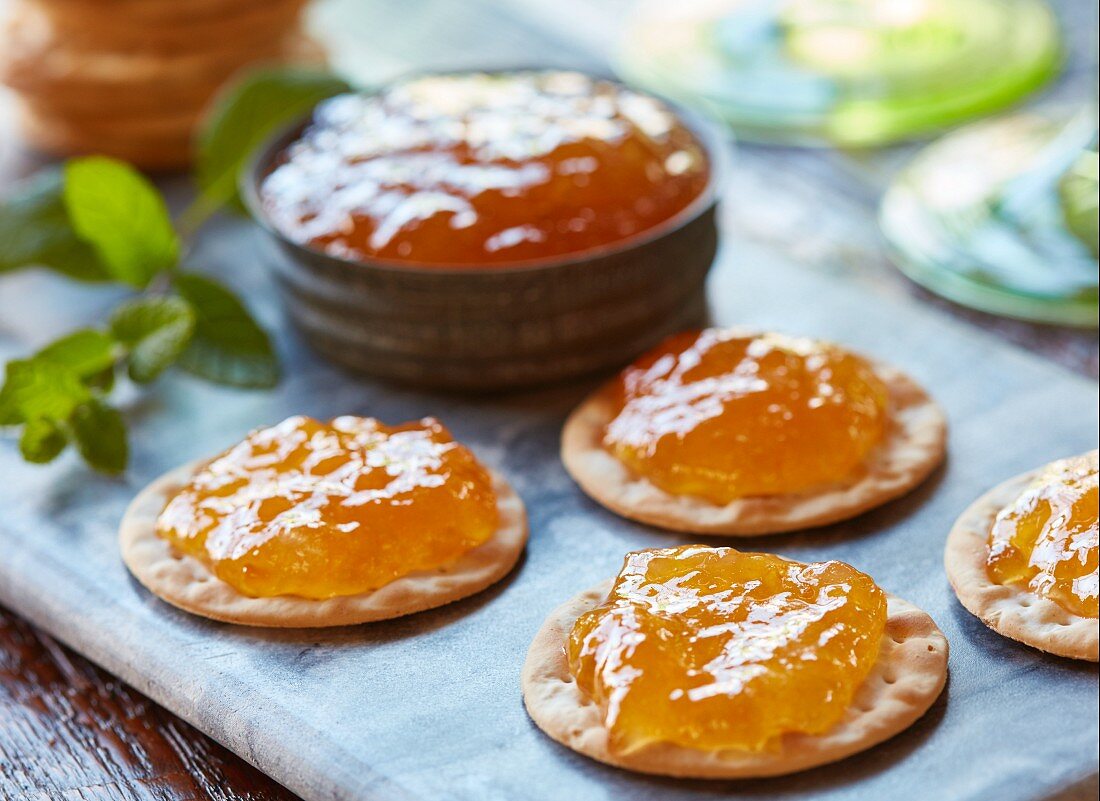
(490, 230)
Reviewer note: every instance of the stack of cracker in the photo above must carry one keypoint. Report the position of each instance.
(131, 78)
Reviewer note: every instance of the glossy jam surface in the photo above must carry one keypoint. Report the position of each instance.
(711, 648)
(722, 416)
(477, 169)
(1046, 540)
(319, 510)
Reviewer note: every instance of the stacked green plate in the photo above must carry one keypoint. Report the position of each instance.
(846, 72)
(1002, 216)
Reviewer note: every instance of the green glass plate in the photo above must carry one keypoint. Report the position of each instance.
(844, 72)
(983, 217)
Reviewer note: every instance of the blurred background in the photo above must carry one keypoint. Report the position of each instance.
(833, 103)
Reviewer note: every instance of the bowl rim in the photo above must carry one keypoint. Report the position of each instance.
(714, 138)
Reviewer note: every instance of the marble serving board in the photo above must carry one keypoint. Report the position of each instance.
(429, 707)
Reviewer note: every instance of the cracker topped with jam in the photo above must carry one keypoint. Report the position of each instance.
(318, 524)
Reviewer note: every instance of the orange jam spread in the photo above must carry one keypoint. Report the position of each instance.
(1046, 540)
(713, 649)
(319, 510)
(480, 169)
(722, 415)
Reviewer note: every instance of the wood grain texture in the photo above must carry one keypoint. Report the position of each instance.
(69, 732)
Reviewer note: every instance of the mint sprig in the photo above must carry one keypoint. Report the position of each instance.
(86, 352)
(42, 440)
(123, 217)
(38, 388)
(228, 346)
(42, 396)
(100, 435)
(99, 219)
(155, 330)
(35, 230)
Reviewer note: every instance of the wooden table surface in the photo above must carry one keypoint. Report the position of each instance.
(68, 730)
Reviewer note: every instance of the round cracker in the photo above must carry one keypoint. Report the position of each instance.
(150, 124)
(187, 583)
(135, 98)
(153, 127)
(1008, 609)
(908, 676)
(120, 112)
(239, 29)
(48, 134)
(35, 71)
(154, 11)
(35, 61)
(914, 445)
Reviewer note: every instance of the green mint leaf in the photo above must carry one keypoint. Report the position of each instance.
(156, 331)
(35, 231)
(228, 347)
(244, 115)
(100, 435)
(42, 440)
(122, 216)
(87, 352)
(36, 388)
(104, 382)
(11, 413)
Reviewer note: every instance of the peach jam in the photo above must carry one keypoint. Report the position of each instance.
(723, 415)
(713, 649)
(481, 169)
(1046, 540)
(318, 510)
